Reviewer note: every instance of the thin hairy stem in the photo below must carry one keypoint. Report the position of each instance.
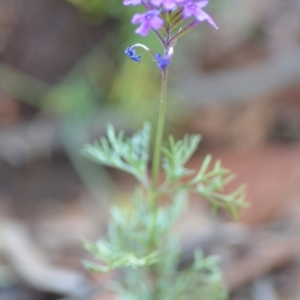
(159, 131)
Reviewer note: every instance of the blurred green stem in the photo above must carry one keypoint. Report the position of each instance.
(159, 133)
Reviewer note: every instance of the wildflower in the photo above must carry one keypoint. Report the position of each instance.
(154, 18)
(132, 55)
(191, 8)
(148, 20)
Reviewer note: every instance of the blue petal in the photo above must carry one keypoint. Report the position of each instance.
(132, 55)
(162, 62)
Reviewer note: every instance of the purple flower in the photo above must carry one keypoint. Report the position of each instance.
(132, 55)
(191, 8)
(132, 2)
(148, 20)
(167, 4)
(162, 62)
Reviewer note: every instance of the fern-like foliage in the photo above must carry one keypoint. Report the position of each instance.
(211, 183)
(131, 231)
(127, 154)
(201, 281)
(208, 182)
(127, 247)
(140, 241)
(176, 156)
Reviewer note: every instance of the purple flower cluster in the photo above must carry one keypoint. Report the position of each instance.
(152, 17)
(167, 15)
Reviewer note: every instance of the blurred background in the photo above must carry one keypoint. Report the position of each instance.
(64, 76)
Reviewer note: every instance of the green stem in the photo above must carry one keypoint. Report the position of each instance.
(159, 132)
(155, 172)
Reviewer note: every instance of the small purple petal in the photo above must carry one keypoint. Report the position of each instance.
(202, 3)
(148, 20)
(203, 16)
(191, 8)
(143, 30)
(137, 18)
(167, 4)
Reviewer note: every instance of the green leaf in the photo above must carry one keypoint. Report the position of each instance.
(176, 156)
(127, 154)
